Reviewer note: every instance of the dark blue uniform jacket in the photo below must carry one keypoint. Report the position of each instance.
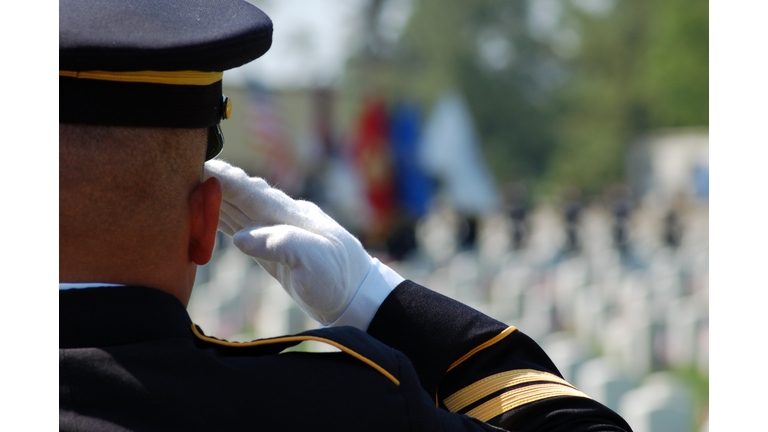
(130, 359)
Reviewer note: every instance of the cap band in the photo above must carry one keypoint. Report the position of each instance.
(156, 77)
(139, 104)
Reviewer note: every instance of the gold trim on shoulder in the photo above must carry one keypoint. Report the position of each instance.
(483, 346)
(349, 351)
(494, 383)
(506, 332)
(154, 77)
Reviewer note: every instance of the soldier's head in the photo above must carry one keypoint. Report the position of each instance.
(140, 102)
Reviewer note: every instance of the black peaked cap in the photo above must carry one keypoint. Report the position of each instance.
(160, 35)
(153, 63)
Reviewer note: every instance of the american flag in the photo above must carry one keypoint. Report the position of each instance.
(270, 139)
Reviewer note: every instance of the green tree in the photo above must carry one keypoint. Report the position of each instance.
(482, 49)
(559, 104)
(642, 67)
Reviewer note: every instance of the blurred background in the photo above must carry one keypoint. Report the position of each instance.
(544, 161)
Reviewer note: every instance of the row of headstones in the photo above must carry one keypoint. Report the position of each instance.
(646, 327)
(589, 264)
(638, 320)
(660, 403)
(513, 296)
(657, 402)
(648, 318)
(516, 295)
(436, 235)
(642, 336)
(466, 271)
(237, 287)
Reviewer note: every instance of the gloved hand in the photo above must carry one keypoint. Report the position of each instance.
(321, 265)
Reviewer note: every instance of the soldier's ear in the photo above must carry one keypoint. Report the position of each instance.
(205, 203)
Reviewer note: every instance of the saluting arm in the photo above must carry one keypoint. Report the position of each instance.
(474, 365)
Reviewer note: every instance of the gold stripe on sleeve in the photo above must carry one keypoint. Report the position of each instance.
(483, 346)
(521, 396)
(154, 77)
(351, 352)
(494, 383)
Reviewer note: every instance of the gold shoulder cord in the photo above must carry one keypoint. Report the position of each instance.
(351, 352)
(494, 383)
(521, 396)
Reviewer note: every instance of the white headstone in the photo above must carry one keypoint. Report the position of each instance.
(566, 353)
(609, 278)
(440, 281)
(682, 332)
(570, 277)
(494, 237)
(628, 338)
(596, 232)
(226, 282)
(227, 276)
(590, 315)
(507, 293)
(547, 235)
(417, 268)
(664, 290)
(272, 317)
(464, 274)
(536, 320)
(632, 290)
(603, 381)
(662, 404)
(436, 232)
(664, 263)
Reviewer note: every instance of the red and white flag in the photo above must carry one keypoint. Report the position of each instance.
(268, 136)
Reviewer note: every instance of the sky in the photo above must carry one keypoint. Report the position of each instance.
(313, 38)
(311, 42)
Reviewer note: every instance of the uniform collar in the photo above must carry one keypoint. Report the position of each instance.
(92, 317)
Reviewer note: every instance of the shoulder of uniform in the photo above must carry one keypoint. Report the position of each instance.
(349, 340)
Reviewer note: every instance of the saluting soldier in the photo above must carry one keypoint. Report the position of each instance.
(140, 103)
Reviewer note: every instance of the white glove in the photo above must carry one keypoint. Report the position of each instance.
(323, 267)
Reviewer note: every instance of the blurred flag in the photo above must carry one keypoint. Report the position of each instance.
(370, 152)
(267, 135)
(450, 151)
(413, 186)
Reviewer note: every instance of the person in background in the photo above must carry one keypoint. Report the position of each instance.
(572, 213)
(619, 201)
(517, 209)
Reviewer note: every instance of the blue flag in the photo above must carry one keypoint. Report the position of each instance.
(413, 187)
